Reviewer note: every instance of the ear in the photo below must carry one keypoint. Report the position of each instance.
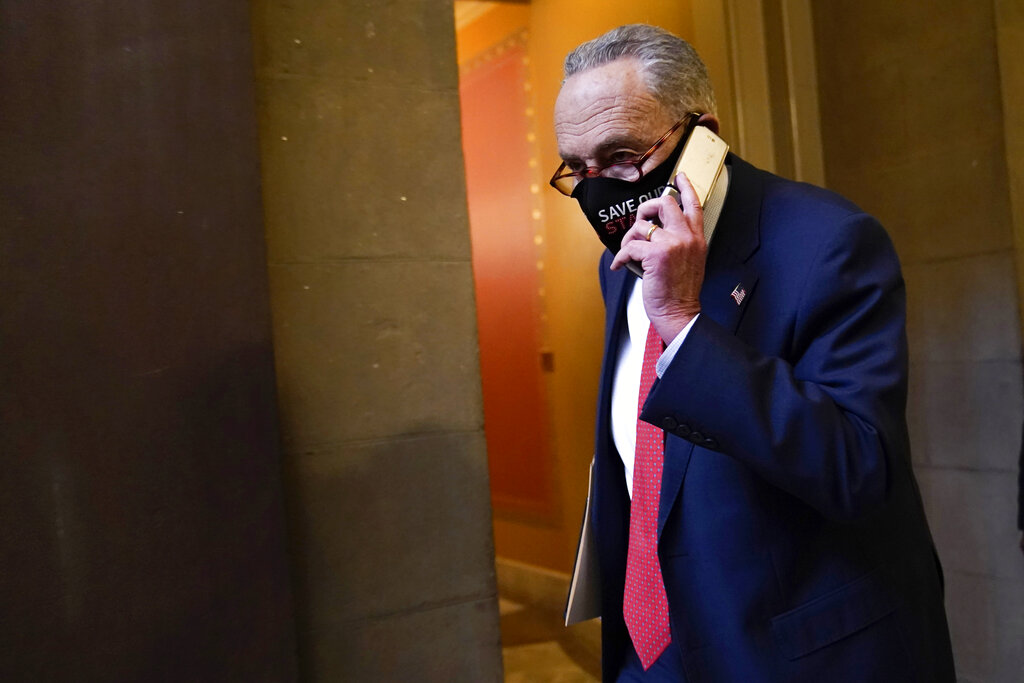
(709, 121)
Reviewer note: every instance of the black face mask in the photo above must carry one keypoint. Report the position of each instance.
(610, 204)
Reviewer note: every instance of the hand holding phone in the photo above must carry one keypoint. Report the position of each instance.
(701, 160)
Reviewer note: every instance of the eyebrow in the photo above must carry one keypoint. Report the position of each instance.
(614, 143)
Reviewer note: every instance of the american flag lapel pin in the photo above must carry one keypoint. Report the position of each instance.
(738, 294)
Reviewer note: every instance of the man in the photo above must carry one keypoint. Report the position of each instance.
(754, 508)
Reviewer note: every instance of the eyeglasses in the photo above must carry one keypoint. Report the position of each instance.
(565, 181)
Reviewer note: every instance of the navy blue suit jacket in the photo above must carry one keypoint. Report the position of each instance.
(792, 538)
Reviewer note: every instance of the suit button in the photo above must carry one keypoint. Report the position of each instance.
(710, 443)
(669, 423)
(683, 431)
(696, 437)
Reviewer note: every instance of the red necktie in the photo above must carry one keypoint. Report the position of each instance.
(645, 605)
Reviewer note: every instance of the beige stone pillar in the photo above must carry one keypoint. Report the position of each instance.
(375, 341)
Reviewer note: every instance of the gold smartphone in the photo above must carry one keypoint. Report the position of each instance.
(702, 160)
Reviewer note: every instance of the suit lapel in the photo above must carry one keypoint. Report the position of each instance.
(726, 292)
(729, 283)
(729, 277)
(616, 292)
(616, 283)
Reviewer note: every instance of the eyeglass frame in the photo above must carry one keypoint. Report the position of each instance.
(596, 171)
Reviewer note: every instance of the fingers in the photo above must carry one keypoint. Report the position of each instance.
(664, 211)
(635, 245)
(688, 199)
(679, 218)
(682, 213)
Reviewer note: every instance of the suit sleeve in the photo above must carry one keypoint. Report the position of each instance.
(827, 425)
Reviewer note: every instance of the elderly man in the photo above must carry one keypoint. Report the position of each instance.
(755, 513)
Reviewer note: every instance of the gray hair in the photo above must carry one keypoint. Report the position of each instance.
(670, 67)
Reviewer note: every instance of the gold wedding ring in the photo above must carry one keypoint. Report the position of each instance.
(651, 231)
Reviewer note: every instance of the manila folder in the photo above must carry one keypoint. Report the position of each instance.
(584, 601)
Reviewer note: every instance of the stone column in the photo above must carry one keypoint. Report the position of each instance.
(375, 340)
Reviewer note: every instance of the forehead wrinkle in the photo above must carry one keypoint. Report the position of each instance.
(607, 107)
(622, 126)
(595, 110)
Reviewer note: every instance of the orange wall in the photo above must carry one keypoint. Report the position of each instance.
(489, 29)
(505, 207)
(499, 180)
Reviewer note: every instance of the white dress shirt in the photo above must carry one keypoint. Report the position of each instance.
(626, 387)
